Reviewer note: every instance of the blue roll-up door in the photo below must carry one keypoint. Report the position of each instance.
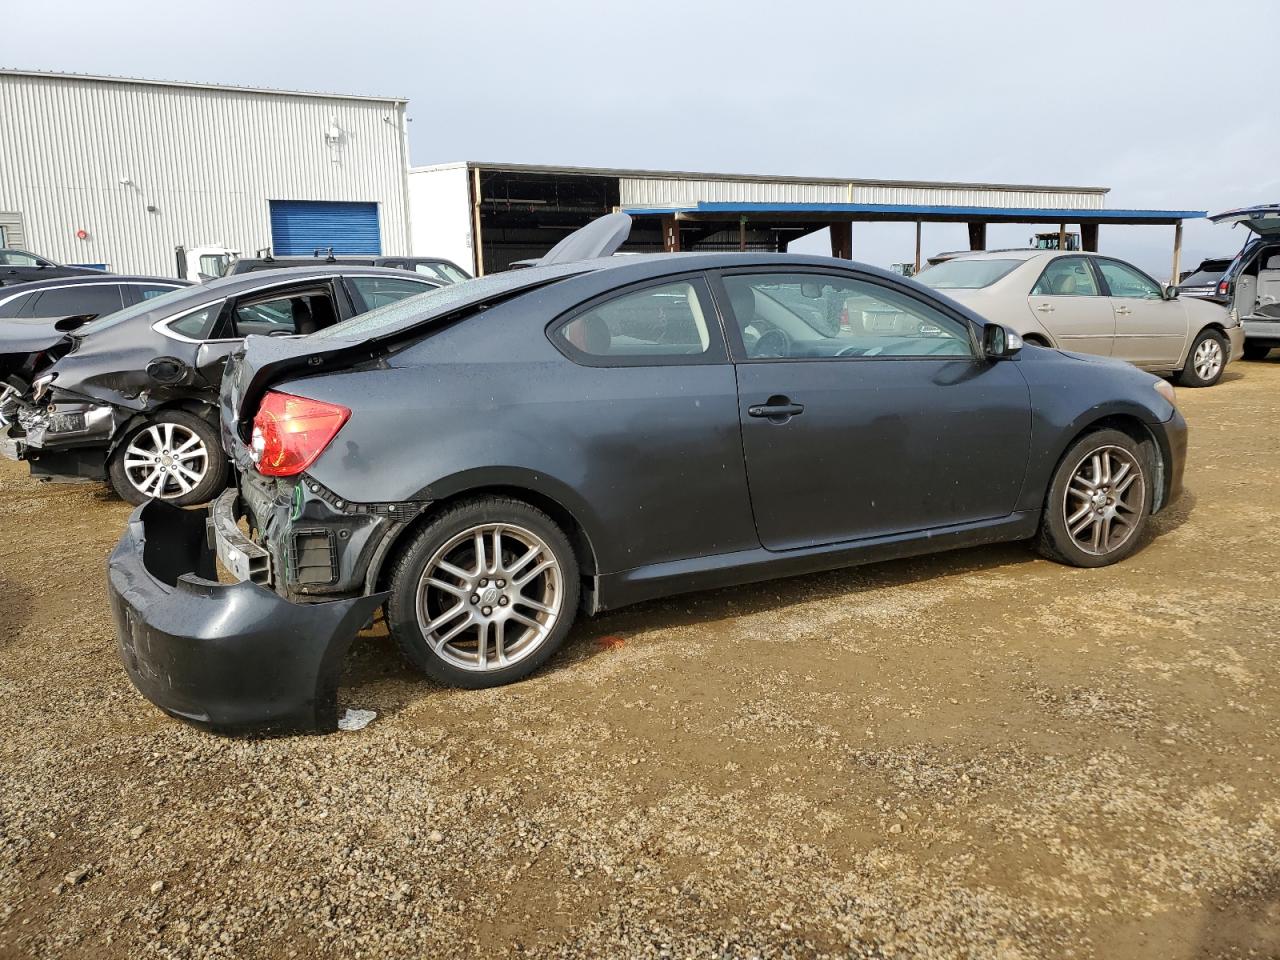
(301, 227)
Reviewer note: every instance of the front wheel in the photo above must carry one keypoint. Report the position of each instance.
(1206, 360)
(1098, 502)
(175, 456)
(485, 594)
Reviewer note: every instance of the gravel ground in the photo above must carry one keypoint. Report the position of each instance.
(979, 754)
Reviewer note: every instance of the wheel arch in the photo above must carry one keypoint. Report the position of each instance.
(1137, 429)
(580, 538)
(198, 408)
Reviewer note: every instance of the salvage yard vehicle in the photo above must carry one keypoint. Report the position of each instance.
(131, 397)
(1204, 280)
(1089, 303)
(19, 266)
(1251, 284)
(487, 461)
(86, 297)
(434, 268)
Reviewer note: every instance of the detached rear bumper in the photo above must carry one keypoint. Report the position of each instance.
(233, 658)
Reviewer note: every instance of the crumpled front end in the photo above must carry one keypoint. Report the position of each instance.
(235, 658)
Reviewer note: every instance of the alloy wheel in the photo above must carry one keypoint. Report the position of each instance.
(1208, 358)
(1104, 500)
(166, 460)
(490, 597)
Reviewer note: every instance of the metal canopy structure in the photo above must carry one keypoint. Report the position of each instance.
(790, 221)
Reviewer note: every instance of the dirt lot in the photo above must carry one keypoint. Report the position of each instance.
(978, 754)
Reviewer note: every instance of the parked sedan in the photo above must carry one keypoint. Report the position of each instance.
(131, 397)
(490, 460)
(19, 266)
(87, 296)
(1089, 303)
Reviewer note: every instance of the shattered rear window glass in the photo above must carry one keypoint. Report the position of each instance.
(437, 303)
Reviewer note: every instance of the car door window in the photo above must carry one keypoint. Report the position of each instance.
(820, 316)
(1124, 281)
(16, 258)
(663, 324)
(97, 299)
(147, 291)
(300, 312)
(1066, 277)
(379, 291)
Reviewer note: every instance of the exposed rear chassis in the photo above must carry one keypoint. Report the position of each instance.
(234, 658)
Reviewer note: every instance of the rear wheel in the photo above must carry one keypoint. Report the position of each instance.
(485, 594)
(1099, 501)
(175, 456)
(1256, 351)
(1206, 360)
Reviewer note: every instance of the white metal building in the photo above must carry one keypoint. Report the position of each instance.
(119, 172)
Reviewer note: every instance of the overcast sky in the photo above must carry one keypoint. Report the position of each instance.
(1147, 99)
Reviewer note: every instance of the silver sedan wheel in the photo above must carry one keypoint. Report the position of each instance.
(1104, 500)
(165, 460)
(490, 597)
(1208, 359)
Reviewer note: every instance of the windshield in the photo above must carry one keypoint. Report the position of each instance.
(966, 274)
(138, 309)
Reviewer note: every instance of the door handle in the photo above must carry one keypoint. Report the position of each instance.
(778, 409)
(1124, 311)
(1045, 308)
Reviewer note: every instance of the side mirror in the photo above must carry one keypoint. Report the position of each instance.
(999, 342)
(1170, 291)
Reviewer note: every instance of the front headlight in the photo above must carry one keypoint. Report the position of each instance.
(1165, 389)
(40, 386)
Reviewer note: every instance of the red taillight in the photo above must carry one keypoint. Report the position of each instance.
(290, 432)
(1224, 287)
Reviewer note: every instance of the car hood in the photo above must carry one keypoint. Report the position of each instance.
(37, 333)
(1263, 219)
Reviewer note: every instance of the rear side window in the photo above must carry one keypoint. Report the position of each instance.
(379, 291)
(670, 323)
(97, 299)
(966, 274)
(1066, 277)
(197, 325)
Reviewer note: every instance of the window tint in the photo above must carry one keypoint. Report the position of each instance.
(966, 274)
(1066, 277)
(302, 313)
(647, 325)
(199, 324)
(1124, 281)
(379, 291)
(16, 258)
(98, 299)
(16, 306)
(814, 316)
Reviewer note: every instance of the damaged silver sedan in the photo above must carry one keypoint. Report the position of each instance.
(131, 397)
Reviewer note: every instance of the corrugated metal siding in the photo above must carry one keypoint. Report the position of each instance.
(207, 160)
(655, 192)
(301, 227)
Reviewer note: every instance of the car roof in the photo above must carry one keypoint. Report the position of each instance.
(81, 279)
(238, 281)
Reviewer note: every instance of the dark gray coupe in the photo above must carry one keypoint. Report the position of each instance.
(488, 460)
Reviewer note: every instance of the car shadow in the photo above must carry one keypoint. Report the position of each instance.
(376, 671)
(1243, 922)
(15, 607)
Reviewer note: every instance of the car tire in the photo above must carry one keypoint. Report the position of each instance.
(445, 596)
(1090, 476)
(1206, 360)
(1256, 351)
(187, 466)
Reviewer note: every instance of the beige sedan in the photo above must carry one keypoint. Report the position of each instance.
(1094, 304)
